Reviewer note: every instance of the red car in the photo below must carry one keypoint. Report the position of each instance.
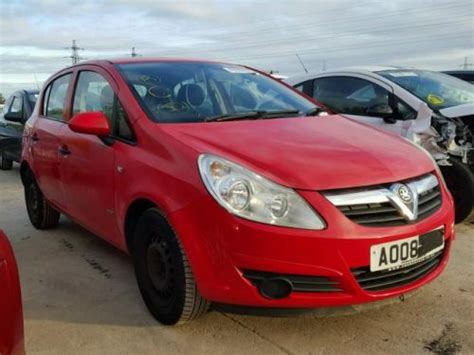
(11, 314)
(225, 185)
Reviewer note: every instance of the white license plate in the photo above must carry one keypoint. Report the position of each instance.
(405, 252)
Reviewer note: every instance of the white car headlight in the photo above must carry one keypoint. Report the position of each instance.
(251, 196)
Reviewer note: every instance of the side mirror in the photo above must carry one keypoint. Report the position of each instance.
(13, 117)
(93, 123)
(382, 110)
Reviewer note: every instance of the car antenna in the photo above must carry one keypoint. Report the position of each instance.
(301, 62)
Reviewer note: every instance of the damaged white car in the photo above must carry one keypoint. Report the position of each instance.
(432, 109)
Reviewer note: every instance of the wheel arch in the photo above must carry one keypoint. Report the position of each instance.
(134, 211)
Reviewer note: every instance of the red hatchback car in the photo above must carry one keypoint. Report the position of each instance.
(11, 314)
(227, 186)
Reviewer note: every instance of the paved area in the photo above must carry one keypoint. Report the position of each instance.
(80, 297)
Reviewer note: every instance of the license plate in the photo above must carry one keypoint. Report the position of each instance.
(405, 252)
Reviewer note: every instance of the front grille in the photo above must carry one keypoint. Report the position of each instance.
(300, 283)
(383, 280)
(385, 214)
(373, 207)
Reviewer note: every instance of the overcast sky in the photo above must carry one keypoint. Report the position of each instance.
(264, 34)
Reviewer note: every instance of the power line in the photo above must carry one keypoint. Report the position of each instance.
(355, 32)
(337, 22)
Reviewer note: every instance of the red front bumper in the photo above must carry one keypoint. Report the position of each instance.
(220, 246)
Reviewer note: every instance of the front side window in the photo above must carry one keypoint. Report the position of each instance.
(94, 93)
(57, 97)
(436, 89)
(178, 92)
(349, 95)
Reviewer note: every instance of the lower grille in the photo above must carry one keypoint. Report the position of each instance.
(383, 280)
(300, 283)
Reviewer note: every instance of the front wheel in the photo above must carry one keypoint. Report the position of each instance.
(460, 182)
(163, 273)
(42, 215)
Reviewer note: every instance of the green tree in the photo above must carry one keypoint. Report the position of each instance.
(2, 99)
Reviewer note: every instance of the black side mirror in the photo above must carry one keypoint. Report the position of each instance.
(383, 111)
(13, 116)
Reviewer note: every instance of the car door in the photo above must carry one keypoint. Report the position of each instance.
(87, 161)
(45, 141)
(364, 100)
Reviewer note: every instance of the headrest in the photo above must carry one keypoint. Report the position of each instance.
(106, 97)
(191, 94)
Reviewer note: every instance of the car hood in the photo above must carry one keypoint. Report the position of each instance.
(311, 153)
(458, 111)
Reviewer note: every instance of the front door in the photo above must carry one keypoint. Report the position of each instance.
(88, 162)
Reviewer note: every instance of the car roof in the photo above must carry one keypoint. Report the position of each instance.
(458, 71)
(368, 70)
(144, 60)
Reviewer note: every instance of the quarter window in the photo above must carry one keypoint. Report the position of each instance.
(57, 97)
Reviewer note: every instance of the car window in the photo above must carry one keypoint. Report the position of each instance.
(57, 97)
(436, 89)
(17, 105)
(349, 95)
(94, 93)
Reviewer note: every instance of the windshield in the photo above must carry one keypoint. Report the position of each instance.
(436, 89)
(176, 92)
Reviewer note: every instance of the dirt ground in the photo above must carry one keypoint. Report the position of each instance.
(80, 297)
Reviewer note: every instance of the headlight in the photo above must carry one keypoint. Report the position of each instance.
(251, 196)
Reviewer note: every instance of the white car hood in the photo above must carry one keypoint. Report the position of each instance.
(458, 111)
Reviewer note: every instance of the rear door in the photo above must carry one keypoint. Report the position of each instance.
(88, 162)
(45, 140)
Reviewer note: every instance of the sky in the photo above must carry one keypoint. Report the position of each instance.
(431, 34)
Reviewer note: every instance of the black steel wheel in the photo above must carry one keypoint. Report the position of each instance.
(163, 273)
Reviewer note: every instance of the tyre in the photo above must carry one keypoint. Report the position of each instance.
(5, 164)
(40, 212)
(163, 273)
(460, 182)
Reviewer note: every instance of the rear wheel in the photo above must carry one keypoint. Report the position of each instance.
(460, 182)
(5, 164)
(40, 212)
(163, 273)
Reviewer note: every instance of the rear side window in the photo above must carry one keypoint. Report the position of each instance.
(56, 101)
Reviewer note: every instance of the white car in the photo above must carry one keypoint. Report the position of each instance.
(432, 109)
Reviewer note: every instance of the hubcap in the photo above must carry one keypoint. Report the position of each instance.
(160, 268)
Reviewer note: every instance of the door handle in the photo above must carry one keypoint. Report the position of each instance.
(64, 150)
(35, 137)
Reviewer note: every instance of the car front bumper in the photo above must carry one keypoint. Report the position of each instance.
(223, 248)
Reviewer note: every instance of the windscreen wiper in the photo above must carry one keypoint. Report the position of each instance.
(251, 115)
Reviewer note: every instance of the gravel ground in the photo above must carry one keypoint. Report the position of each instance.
(80, 297)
